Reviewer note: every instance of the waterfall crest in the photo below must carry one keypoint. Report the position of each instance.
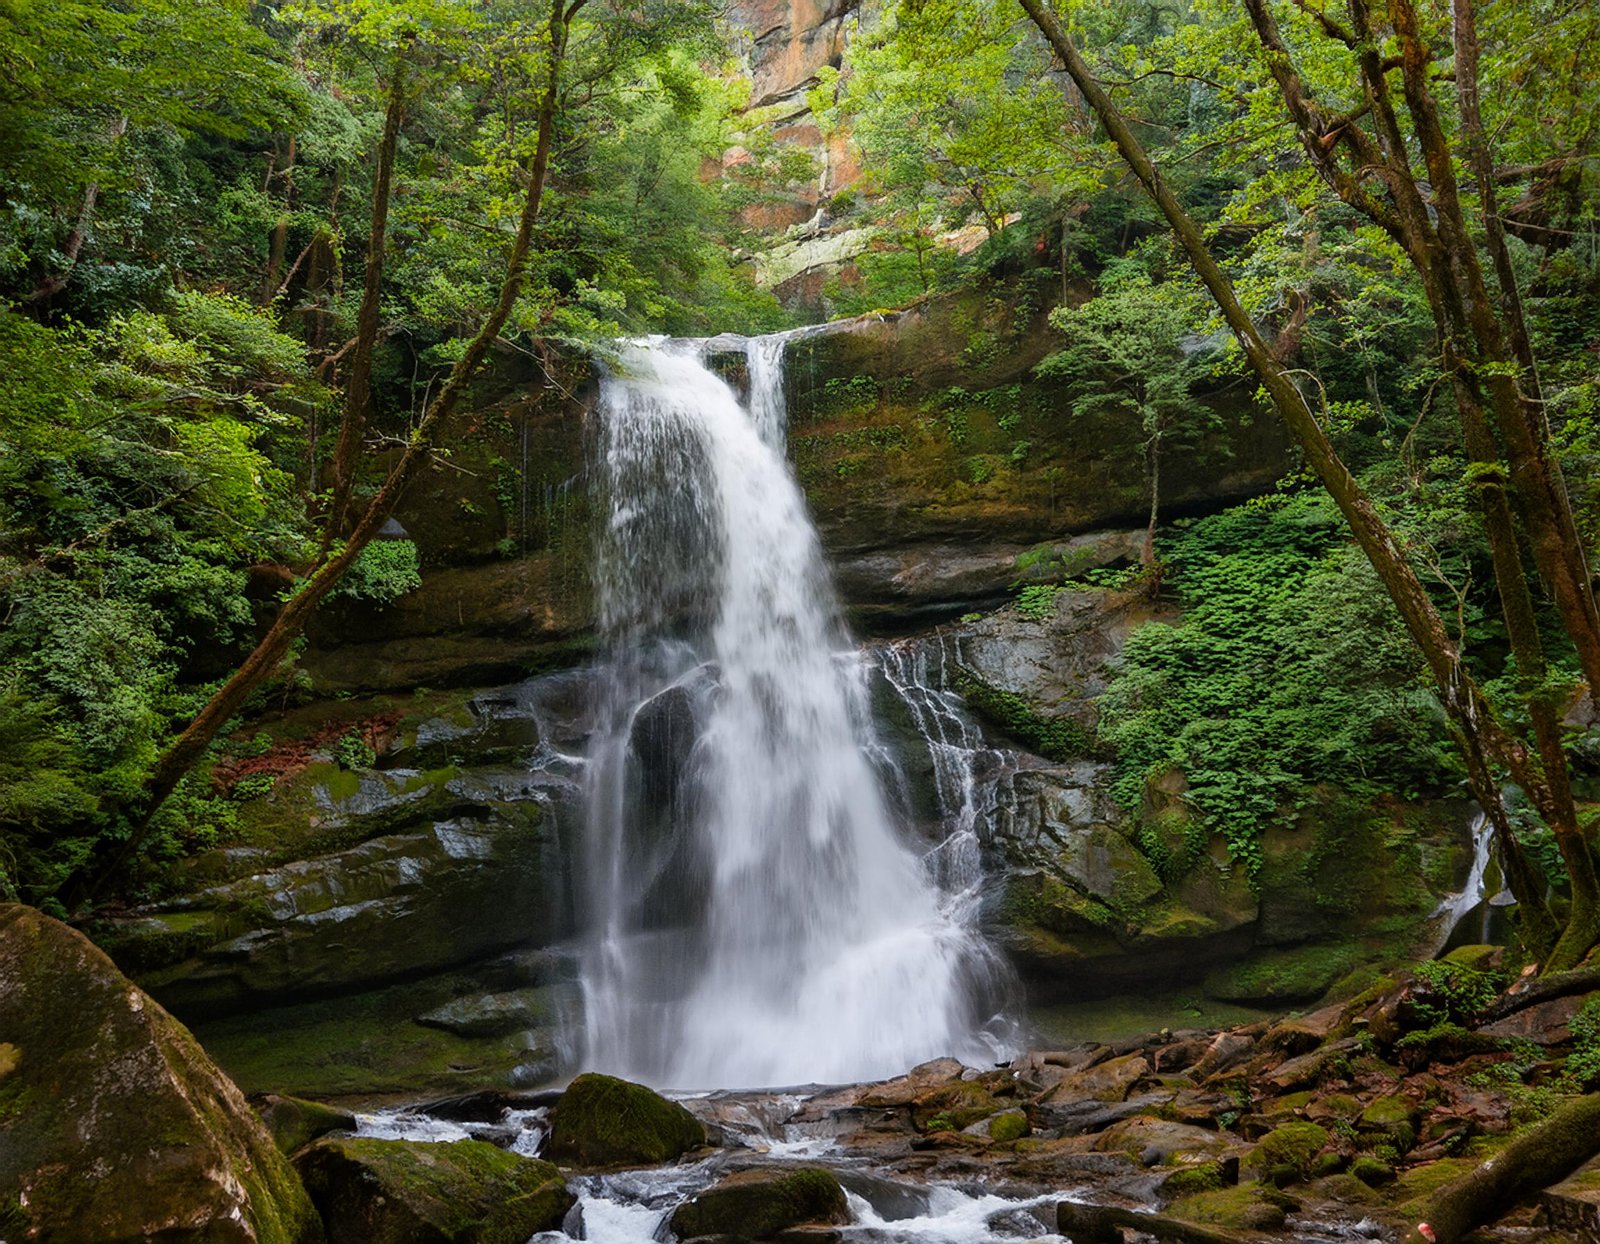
(759, 917)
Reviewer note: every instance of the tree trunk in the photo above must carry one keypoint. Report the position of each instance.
(278, 247)
(1538, 1158)
(79, 233)
(1546, 513)
(358, 385)
(1152, 458)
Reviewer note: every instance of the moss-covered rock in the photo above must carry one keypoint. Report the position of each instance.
(758, 1204)
(1302, 974)
(604, 1121)
(368, 1043)
(1393, 1120)
(117, 1127)
(1291, 1146)
(1247, 1207)
(1006, 1126)
(444, 894)
(295, 1122)
(404, 1192)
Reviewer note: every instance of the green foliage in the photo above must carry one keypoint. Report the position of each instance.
(1583, 1063)
(1452, 993)
(1288, 669)
(1037, 601)
(137, 483)
(382, 573)
(352, 751)
(1058, 738)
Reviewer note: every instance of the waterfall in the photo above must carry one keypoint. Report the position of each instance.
(759, 917)
(1476, 895)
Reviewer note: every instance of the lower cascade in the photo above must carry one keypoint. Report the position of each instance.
(759, 916)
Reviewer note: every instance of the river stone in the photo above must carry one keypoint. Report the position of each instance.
(603, 1121)
(295, 1122)
(759, 1204)
(116, 1126)
(406, 1192)
(1107, 1081)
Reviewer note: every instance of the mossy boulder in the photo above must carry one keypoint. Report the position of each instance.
(1247, 1208)
(117, 1127)
(1290, 1148)
(757, 1205)
(295, 1122)
(604, 1121)
(405, 1192)
(1392, 1120)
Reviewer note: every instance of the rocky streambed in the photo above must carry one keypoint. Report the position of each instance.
(1343, 1123)
(1355, 1120)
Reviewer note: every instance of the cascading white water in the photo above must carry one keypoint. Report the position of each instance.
(759, 918)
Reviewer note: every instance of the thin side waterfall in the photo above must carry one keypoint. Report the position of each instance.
(759, 917)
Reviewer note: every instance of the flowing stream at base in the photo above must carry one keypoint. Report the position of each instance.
(760, 917)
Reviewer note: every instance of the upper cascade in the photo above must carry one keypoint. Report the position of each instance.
(759, 917)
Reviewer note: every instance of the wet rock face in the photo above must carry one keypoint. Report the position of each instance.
(392, 906)
(117, 1126)
(408, 869)
(402, 1192)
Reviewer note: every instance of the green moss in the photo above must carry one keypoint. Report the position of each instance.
(1045, 902)
(171, 1138)
(1057, 738)
(604, 1121)
(1372, 1171)
(1393, 1120)
(954, 1106)
(1245, 1207)
(463, 1192)
(1192, 1180)
(1422, 1181)
(757, 1205)
(1012, 1125)
(1294, 1145)
(358, 1045)
(1298, 975)
(295, 1122)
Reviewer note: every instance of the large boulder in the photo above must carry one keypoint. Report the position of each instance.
(758, 1204)
(116, 1126)
(604, 1121)
(406, 1192)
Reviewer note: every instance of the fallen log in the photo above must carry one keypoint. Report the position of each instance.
(1543, 988)
(1538, 1158)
